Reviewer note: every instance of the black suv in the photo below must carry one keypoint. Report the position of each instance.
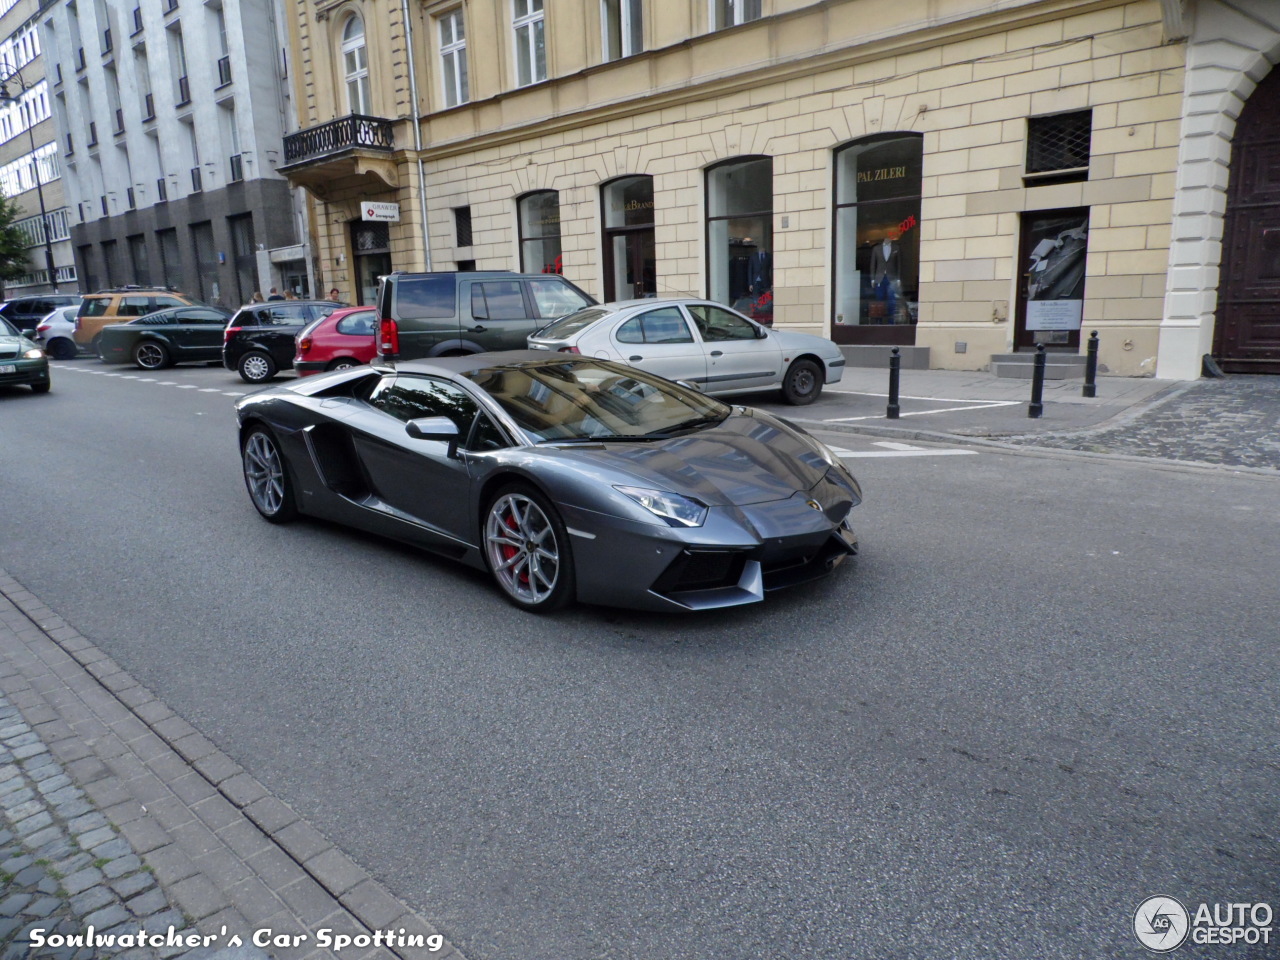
(443, 314)
(258, 340)
(25, 312)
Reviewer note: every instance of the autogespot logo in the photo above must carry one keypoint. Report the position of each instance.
(1161, 924)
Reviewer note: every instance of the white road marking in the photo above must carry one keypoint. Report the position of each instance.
(903, 396)
(891, 445)
(209, 390)
(129, 376)
(866, 454)
(233, 393)
(187, 386)
(146, 379)
(984, 405)
(167, 383)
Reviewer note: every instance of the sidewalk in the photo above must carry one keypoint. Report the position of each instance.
(118, 815)
(1234, 421)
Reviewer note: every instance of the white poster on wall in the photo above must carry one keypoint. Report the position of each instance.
(1054, 314)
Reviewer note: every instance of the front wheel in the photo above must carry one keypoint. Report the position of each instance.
(802, 384)
(150, 355)
(343, 363)
(266, 477)
(527, 549)
(62, 349)
(256, 367)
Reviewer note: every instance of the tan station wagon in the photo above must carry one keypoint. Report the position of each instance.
(120, 304)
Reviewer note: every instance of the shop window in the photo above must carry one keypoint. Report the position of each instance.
(539, 219)
(876, 256)
(630, 260)
(740, 235)
(1058, 148)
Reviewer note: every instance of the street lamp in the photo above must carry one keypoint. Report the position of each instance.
(8, 75)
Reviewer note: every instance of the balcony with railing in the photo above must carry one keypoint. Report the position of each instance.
(354, 145)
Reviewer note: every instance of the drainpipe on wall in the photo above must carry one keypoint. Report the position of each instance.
(417, 138)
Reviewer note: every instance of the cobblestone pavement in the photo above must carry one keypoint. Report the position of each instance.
(1233, 422)
(63, 867)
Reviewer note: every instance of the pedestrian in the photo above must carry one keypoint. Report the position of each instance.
(335, 296)
(256, 298)
(275, 294)
(288, 295)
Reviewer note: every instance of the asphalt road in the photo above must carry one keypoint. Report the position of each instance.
(1045, 691)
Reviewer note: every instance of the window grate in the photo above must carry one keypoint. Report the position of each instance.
(1059, 142)
(462, 225)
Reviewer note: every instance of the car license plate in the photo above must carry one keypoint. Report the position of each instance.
(8, 368)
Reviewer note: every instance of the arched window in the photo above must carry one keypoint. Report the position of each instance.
(355, 65)
(740, 235)
(876, 254)
(539, 216)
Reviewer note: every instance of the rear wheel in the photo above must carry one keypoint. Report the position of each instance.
(527, 549)
(343, 363)
(62, 349)
(802, 384)
(266, 477)
(256, 367)
(150, 355)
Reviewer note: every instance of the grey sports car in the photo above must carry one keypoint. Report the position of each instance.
(565, 477)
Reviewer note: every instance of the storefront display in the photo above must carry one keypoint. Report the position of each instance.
(631, 269)
(740, 236)
(877, 251)
(540, 233)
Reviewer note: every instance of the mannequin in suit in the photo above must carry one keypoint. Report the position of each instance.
(886, 273)
(760, 272)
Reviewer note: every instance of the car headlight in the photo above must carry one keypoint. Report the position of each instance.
(672, 507)
(34, 354)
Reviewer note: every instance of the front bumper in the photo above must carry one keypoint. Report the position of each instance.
(24, 371)
(736, 557)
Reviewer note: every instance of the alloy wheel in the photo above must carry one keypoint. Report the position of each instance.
(149, 355)
(255, 367)
(522, 549)
(264, 473)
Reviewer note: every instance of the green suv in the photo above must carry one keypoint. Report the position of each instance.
(447, 314)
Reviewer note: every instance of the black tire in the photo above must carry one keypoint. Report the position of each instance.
(96, 347)
(266, 476)
(256, 367)
(60, 348)
(505, 541)
(343, 363)
(803, 383)
(41, 387)
(150, 355)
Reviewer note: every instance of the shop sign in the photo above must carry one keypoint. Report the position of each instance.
(388, 212)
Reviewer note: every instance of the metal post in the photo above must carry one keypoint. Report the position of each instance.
(1036, 409)
(895, 362)
(1091, 368)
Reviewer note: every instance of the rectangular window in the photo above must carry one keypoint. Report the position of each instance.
(453, 58)
(730, 13)
(1058, 148)
(623, 28)
(462, 225)
(531, 47)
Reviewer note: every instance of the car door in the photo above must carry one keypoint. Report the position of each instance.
(279, 324)
(660, 341)
(501, 317)
(740, 355)
(198, 330)
(416, 477)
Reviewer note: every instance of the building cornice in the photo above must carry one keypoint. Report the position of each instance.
(1001, 17)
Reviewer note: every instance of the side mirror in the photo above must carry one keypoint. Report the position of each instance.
(432, 428)
(761, 333)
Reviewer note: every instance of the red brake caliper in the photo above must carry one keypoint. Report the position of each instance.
(508, 551)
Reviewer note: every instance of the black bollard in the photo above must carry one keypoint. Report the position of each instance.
(1036, 410)
(895, 362)
(1091, 368)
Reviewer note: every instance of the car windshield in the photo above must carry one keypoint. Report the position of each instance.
(571, 400)
(568, 326)
(7, 329)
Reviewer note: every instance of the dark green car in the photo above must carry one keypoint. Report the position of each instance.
(165, 337)
(22, 360)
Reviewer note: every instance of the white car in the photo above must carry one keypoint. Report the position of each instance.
(54, 331)
(716, 349)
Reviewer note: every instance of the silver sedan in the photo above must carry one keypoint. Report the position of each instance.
(699, 342)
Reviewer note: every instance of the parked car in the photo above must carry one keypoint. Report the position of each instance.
(259, 340)
(56, 332)
(97, 310)
(22, 360)
(26, 312)
(342, 339)
(565, 477)
(705, 343)
(165, 337)
(448, 314)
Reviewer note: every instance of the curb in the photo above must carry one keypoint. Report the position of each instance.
(230, 855)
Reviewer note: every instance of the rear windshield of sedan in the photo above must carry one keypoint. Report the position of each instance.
(574, 400)
(568, 326)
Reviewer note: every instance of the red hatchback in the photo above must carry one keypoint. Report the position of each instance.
(342, 339)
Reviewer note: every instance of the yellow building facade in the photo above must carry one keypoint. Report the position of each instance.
(958, 175)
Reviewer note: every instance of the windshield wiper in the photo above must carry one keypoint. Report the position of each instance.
(686, 425)
(603, 438)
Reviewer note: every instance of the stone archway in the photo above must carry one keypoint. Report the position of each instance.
(1233, 46)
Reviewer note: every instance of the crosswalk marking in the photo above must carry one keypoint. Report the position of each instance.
(899, 450)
